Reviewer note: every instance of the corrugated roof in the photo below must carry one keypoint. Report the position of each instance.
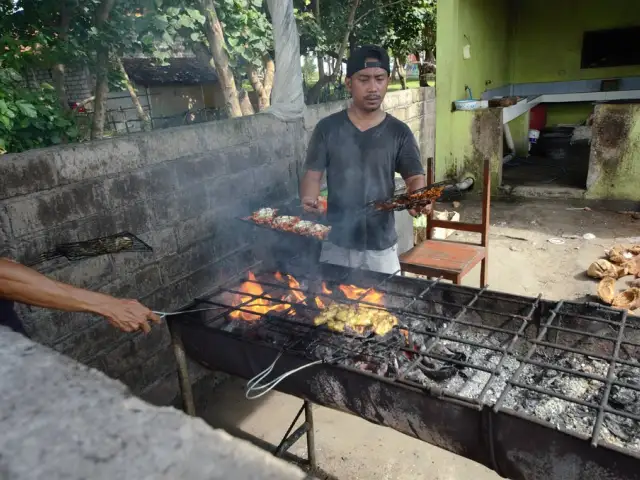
(183, 71)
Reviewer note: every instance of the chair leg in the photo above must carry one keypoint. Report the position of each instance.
(483, 273)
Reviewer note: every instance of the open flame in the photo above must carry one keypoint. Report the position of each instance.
(366, 295)
(253, 308)
(260, 306)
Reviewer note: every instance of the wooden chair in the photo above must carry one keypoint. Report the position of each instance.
(447, 259)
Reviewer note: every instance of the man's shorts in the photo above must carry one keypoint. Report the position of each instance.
(383, 261)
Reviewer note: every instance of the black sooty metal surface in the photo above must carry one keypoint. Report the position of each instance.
(530, 388)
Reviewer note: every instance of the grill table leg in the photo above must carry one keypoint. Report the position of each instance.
(290, 439)
(311, 440)
(183, 370)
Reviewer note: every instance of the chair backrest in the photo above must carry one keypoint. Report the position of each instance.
(481, 228)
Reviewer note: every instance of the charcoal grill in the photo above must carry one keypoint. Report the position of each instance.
(530, 388)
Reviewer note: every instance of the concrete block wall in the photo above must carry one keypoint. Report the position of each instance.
(179, 190)
(63, 421)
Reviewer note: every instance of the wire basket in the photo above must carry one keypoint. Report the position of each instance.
(118, 243)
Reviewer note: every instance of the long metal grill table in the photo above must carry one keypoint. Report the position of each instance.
(531, 388)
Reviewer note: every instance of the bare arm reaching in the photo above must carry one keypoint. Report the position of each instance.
(25, 285)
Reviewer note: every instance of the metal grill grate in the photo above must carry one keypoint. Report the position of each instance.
(506, 346)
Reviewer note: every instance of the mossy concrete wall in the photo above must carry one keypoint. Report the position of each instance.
(614, 167)
(515, 42)
(483, 25)
(475, 135)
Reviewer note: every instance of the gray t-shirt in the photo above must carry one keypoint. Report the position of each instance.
(360, 168)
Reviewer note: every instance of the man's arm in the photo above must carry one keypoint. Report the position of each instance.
(408, 165)
(25, 285)
(315, 165)
(310, 191)
(415, 182)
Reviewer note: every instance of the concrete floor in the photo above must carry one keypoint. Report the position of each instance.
(521, 261)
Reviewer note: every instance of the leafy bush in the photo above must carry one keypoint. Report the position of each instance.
(31, 117)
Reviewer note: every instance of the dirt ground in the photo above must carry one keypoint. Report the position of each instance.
(521, 261)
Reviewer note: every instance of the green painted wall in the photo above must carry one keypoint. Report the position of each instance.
(521, 41)
(547, 41)
(614, 167)
(571, 113)
(484, 25)
(519, 128)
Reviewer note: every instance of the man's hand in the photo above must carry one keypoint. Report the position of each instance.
(128, 315)
(312, 205)
(426, 210)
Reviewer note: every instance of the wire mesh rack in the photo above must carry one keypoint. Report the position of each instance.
(486, 348)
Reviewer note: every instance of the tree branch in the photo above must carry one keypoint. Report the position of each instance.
(345, 39)
(381, 7)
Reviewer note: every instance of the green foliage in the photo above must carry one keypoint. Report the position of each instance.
(247, 29)
(309, 69)
(410, 27)
(30, 118)
(405, 27)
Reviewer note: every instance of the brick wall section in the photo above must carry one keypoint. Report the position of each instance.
(179, 190)
(78, 81)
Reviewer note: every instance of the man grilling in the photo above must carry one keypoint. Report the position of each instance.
(360, 149)
(19, 283)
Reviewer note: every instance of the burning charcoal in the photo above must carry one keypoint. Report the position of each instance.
(621, 398)
(436, 373)
(623, 428)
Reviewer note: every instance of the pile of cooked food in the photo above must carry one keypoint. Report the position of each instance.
(287, 223)
(621, 261)
(407, 201)
(357, 319)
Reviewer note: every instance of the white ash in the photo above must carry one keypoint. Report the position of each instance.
(471, 387)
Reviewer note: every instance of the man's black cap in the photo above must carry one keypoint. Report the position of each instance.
(358, 59)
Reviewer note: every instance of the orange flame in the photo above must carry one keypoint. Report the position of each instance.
(295, 293)
(254, 308)
(259, 306)
(367, 295)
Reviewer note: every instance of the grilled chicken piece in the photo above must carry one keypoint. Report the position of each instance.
(337, 317)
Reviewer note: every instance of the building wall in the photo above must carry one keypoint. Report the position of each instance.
(547, 46)
(614, 167)
(548, 42)
(180, 190)
(78, 81)
(516, 43)
(483, 24)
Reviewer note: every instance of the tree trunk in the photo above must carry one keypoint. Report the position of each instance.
(102, 71)
(321, 74)
(269, 74)
(258, 87)
(314, 92)
(245, 103)
(402, 73)
(426, 67)
(215, 36)
(320, 58)
(58, 75)
(58, 69)
(145, 121)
